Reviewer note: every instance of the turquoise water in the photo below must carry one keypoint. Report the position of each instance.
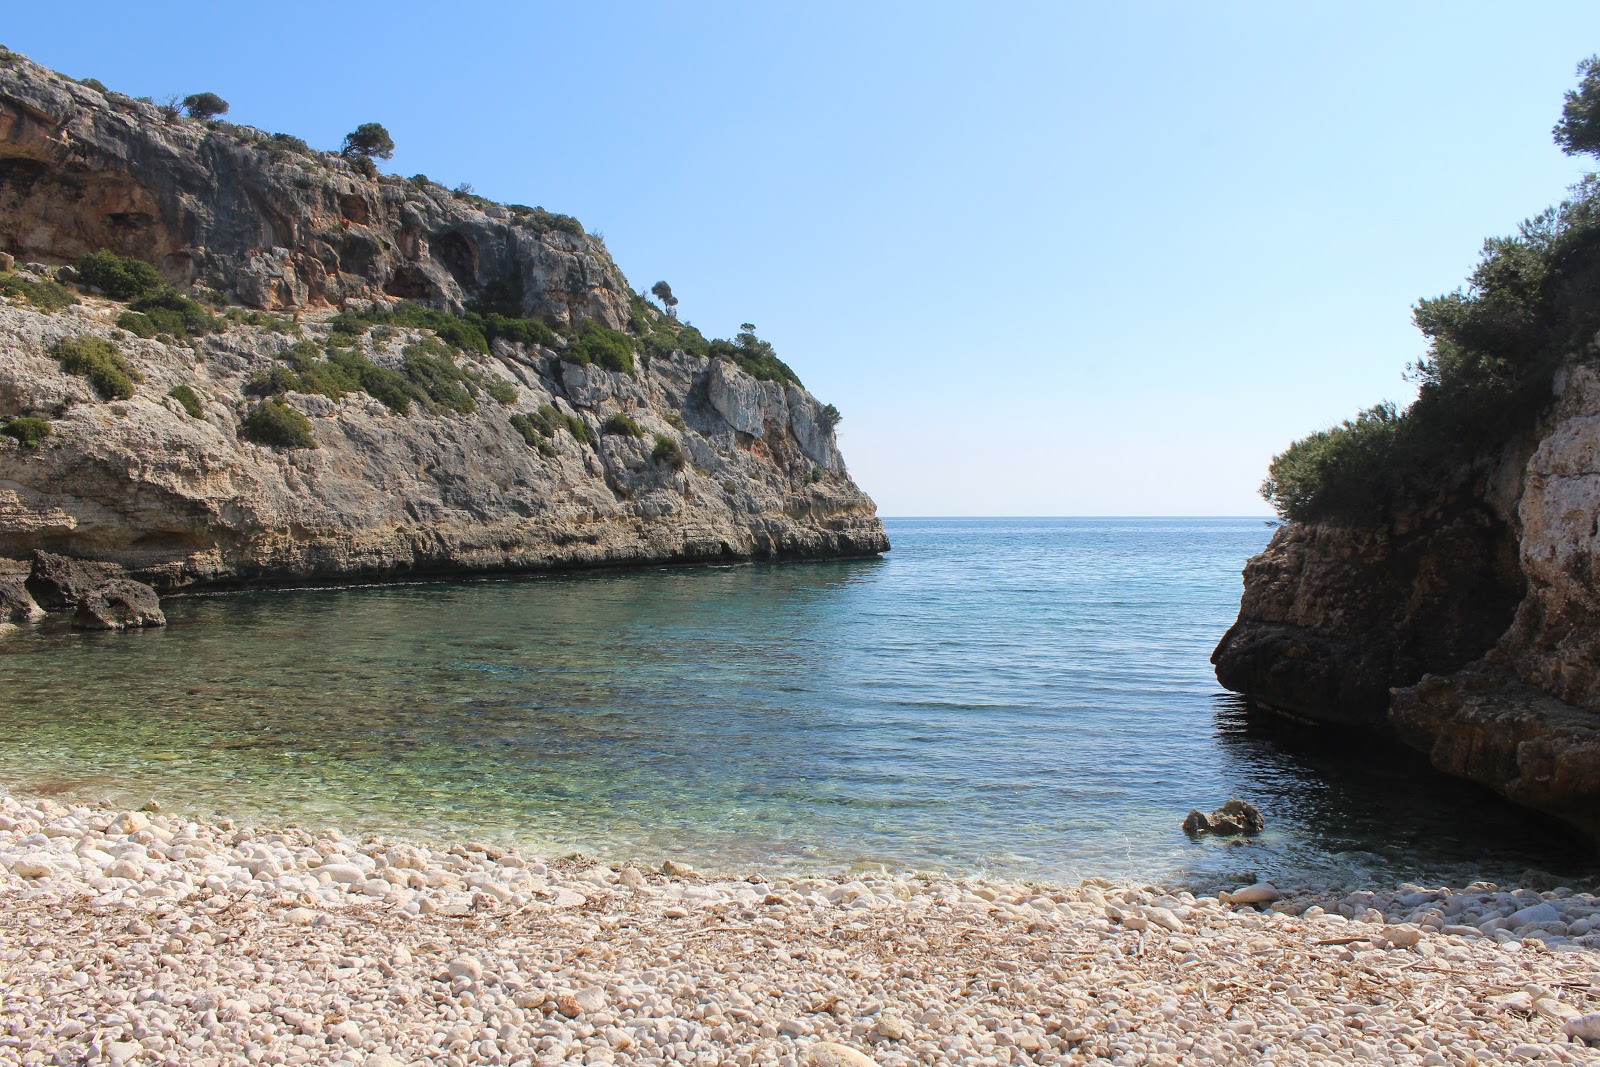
(1026, 697)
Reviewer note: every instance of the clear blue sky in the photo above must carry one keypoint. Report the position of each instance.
(1047, 258)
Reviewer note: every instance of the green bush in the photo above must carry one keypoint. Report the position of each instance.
(27, 430)
(189, 399)
(593, 343)
(533, 433)
(117, 276)
(830, 417)
(500, 390)
(45, 295)
(754, 356)
(618, 423)
(205, 106)
(440, 380)
(1346, 472)
(174, 313)
(541, 221)
(667, 451)
(278, 425)
(98, 360)
(1531, 305)
(138, 323)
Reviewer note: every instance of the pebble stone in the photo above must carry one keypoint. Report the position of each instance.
(133, 938)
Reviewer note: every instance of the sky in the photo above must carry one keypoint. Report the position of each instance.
(1047, 258)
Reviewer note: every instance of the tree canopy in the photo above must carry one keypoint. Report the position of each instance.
(368, 141)
(1578, 132)
(205, 106)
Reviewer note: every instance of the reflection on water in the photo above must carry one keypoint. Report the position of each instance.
(1030, 697)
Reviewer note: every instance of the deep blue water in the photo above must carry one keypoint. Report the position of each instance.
(1030, 697)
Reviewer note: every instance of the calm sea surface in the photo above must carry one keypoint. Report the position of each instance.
(1026, 697)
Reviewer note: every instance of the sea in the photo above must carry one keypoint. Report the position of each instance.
(1025, 698)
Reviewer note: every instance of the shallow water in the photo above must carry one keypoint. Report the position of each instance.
(1026, 697)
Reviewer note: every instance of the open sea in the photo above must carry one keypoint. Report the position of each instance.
(1024, 698)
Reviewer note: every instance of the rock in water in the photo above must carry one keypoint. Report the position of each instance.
(58, 582)
(1234, 817)
(119, 605)
(16, 603)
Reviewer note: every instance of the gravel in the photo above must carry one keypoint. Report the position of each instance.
(134, 939)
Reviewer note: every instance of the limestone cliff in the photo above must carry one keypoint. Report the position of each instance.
(1469, 629)
(178, 494)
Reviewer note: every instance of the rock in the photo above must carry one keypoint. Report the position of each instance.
(829, 1054)
(1234, 817)
(58, 582)
(674, 869)
(119, 605)
(466, 967)
(343, 873)
(7, 261)
(583, 1001)
(1405, 935)
(16, 603)
(1585, 1028)
(892, 1028)
(1537, 913)
(32, 867)
(181, 500)
(1259, 893)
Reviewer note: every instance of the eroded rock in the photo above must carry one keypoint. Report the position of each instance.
(119, 605)
(1234, 817)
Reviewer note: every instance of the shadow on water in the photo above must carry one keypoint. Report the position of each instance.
(1380, 806)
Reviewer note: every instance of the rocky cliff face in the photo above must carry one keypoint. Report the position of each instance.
(1470, 631)
(182, 500)
(271, 224)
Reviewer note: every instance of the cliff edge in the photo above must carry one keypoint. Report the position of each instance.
(1437, 579)
(339, 376)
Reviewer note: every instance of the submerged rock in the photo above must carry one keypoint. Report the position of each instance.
(119, 605)
(1234, 817)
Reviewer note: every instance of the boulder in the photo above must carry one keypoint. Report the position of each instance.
(58, 582)
(122, 604)
(16, 603)
(1234, 817)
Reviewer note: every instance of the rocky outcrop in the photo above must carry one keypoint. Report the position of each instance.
(58, 582)
(273, 224)
(1470, 632)
(118, 605)
(180, 500)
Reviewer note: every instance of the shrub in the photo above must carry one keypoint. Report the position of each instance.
(45, 295)
(189, 399)
(118, 276)
(1340, 473)
(98, 360)
(830, 417)
(539, 220)
(26, 429)
(525, 331)
(618, 423)
(278, 425)
(8, 58)
(174, 313)
(138, 323)
(596, 344)
(500, 390)
(439, 378)
(364, 166)
(754, 356)
(533, 433)
(205, 106)
(667, 451)
(93, 83)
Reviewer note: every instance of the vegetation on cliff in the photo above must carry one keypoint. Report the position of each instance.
(1531, 305)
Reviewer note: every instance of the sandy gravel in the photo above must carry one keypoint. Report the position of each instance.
(127, 939)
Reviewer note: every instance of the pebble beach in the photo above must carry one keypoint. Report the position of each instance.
(129, 937)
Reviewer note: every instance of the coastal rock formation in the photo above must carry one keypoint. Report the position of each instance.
(119, 605)
(1234, 817)
(545, 460)
(264, 218)
(1470, 631)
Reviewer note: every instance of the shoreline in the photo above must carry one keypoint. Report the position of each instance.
(132, 938)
